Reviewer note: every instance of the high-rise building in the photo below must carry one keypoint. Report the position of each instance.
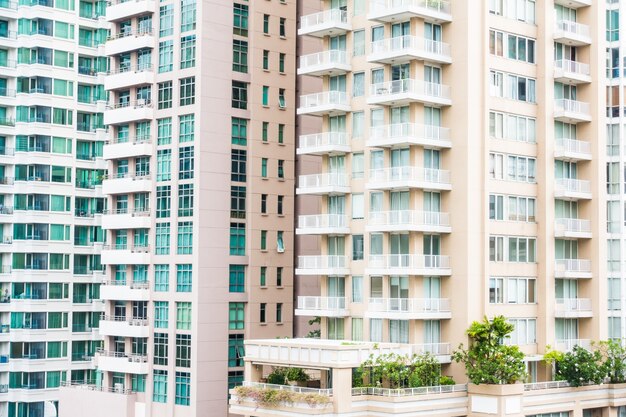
(199, 189)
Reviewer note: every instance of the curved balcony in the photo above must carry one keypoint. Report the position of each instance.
(573, 308)
(322, 184)
(331, 22)
(125, 255)
(323, 265)
(409, 177)
(399, 92)
(409, 220)
(124, 326)
(438, 11)
(407, 264)
(571, 72)
(571, 111)
(327, 143)
(322, 307)
(127, 76)
(402, 49)
(572, 150)
(129, 40)
(122, 290)
(127, 183)
(126, 9)
(572, 33)
(406, 134)
(572, 189)
(323, 224)
(572, 228)
(409, 308)
(122, 113)
(572, 268)
(325, 103)
(126, 219)
(130, 148)
(332, 62)
(122, 362)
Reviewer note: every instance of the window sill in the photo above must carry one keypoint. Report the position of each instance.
(281, 179)
(264, 178)
(264, 214)
(280, 215)
(263, 287)
(265, 106)
(283, 37)
(266, 70)
(280, 287)
(262, 324)
(263, 250)
(280, 323)
(265, 142)
(282, 144)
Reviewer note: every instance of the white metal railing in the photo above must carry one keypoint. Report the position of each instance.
(134, 104)
(409, 173)
(574, 146)
(322, 221)
(432, 348)
(408, 217)
(573, 265)
(325, 98)
(396, 131)
(140, 212)
(123, 69)
(130, 32)
(573, 185)
(440, 6)
(322, 303)
(330, 57)
(409, 305)
(407, 392)
(573, 28)
(130, 320)
(572, 66)
(566, 345)
(408, 42)
(331, 16)
(409, 261)
(322, 262)
(91, 387)
(546, 385)
(301, 390)
(573, 106)
(140, 285)
(323, 180)
(570, 305)
(409, 86)
(134, 176)
(318, 140)
(130, 139)
(132, 357)
(130, 247)
(573, 225)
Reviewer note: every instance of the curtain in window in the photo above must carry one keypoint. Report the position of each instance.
(376, 330)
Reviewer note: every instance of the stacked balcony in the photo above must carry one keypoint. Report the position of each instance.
(406, 91)
(409, 264)
(409, 220)
(322, 307)
(389, 11)
(409, 308)
(332, 22)
(406, 134)
(404, 177)
(402, 49)
(332, 62)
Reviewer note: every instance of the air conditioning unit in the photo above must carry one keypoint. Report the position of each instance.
(118, 388)
(141, 102)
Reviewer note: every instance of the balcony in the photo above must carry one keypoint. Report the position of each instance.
(127, 183)
(327, 143)
(123, 326)
(333, 62)
(571, 111)
(325, 103)
(129, 40)
(573, 308)
(406, 134)
(126, 219)
(572, 150)
(125, 291)
(125, 255)
(403, 49)
(409, 220)
(322, 184)
(572, 189)
(574, 4)
(128, 76)
(407, 264)
(121, 362)
(409, 308)
(572, 33)
(405, 177)
(331, 22)
(572, 228)
(136, 146)
(323, 224)
(567, 345)
(571, 72)
(79, 400)
(125, 9)
(572, 268)
(438, 11)
(323, 265)
(322, 307)
(122, 113)
(402, 92)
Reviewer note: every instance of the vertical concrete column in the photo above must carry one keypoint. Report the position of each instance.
(495, 400)
(252, 372)
(342, 390)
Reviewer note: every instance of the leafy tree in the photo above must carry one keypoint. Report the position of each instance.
(315, 333)
(487, 359)
(614, 361)
(578, 366)
(398, 371)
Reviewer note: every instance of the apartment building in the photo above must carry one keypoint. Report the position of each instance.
(199, 155)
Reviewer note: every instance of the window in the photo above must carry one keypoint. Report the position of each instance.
(162, 239)
(238, 239)
(164, 131)
(281, 27)
(358, 84)
(281, 169)
(262, 312)
(166, 20)
(266, 92)
(235, 379)
(183, 350)
(164, 165)
(358, 165)
(237, 278)
(159, 390)
(183, 315)
(522, 10)
(496, 207)
(166, 56)
(187, 15)
(240, 56)
(239, 131)
(238, 165)
(183, 388)
(280, 243)
(357, 289)
(236, 350)
(264, 132)
(280, 204)
(161, 312)
(240, 19)
(161, 278)
(165, 95)
(266, 24)
(512, 127)
(358, 40)
(524, 332)
(496, 248)
(160, 349)
(512, 290)
(185, 200)
(238, 202)
(187, 91)
(281, 62)
(612, 25)
(183, 278)
(236, 316)
(282, 102)
(279, 276)
(358, 206)
(188, 51)
(521, 209)
(521, 249)
(281, 133)
(264, 167)
(357, 247)
(266, 59)
(263, 239)
(521, 168)
(240, 95)
(186, 163)
(186, 127)
(279, 313)
(263, 203)
(512, 86)
(185, 237)
(518, 47)
(163, 201)
(263, 276)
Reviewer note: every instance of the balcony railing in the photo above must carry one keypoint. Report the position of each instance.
(323, 180)
(135, 285)
(573, 185)
(325, 58)
(332, 16)
(134, 321)
(568, 344)
(573, 225)
(323, 221)
(293, 388)
(132, 357)
(572, 106)
(573, 265)
(408, 392)
(573, 146)
(400, 44)
(322, 303)
(322, 262)
(126, 33)
(130, 139)
(408, 132)
(409, 261)
(572, 28)
(408, 217)
(132, 248)
(409, 86)
(439, 6)
(546, 385)
(571, 305)
(409, 305)
(135, 104)
(122, 69)
(322, 140)
(326, 98)
(409, 174)
(574, 67)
